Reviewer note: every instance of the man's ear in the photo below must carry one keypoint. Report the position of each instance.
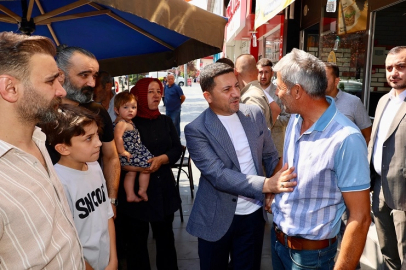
(336, 81)
(61, 77)
(9, 87)
(62, 149)
(297, 91)
(207, 96)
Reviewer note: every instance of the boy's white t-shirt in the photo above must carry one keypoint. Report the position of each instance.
(235, 130)
(91, 208)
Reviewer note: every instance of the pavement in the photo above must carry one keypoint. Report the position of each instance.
(186, 244)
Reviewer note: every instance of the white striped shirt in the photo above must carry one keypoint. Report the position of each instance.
(36, 225)
(329, 158)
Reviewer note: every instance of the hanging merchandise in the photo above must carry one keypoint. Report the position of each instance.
(331, 5)
(336, 43)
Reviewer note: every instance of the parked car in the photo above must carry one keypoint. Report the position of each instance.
(351, 86)
(180, 81)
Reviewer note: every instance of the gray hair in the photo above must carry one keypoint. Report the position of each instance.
(300, 67)
(64, 54)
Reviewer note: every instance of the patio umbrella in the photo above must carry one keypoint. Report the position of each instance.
(126, 36)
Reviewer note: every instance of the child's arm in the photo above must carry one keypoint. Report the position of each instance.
(113, 262)
(118, 138)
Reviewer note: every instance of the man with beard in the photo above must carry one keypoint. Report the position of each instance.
(78, 69)
(387, 155)
(36, 225)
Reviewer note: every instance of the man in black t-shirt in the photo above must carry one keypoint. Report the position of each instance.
(78, 70)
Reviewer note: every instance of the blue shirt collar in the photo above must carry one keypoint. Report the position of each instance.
(325, 118)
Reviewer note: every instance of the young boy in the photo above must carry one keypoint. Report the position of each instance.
(75, 137)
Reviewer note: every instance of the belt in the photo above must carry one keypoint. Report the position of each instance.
(299, 243)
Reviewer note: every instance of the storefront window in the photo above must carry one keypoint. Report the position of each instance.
(273, 46)
(311, 40)
(343, 41)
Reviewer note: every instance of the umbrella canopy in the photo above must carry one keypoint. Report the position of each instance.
(126, 36)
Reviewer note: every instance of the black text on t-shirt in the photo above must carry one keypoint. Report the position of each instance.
(86, 204)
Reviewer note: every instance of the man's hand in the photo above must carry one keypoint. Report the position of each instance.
(268, 201)
(280, 182)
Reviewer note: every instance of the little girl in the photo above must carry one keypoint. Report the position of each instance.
(134, 155)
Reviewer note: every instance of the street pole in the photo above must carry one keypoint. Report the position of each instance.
(185, 73)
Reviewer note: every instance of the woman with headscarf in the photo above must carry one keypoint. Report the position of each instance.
(158, 134)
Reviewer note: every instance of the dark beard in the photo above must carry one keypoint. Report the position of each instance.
(81, 95)
(398, 87)
(34, 107)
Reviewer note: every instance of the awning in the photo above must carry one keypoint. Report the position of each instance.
(126, 36)
(266, 10)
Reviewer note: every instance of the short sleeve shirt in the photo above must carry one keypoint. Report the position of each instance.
(329, 158)
(91, 209)
(352, 107)
(172, 97)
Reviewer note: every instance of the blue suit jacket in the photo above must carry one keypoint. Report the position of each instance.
(221, 180)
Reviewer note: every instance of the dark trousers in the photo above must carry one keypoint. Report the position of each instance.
(135, 235)
(244, 239)
(390, 228)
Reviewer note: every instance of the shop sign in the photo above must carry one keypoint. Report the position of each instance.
(266, 10)
(352, 16)
(234, 19)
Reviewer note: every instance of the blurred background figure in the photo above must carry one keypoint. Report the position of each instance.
(104, 94)
(174, 98)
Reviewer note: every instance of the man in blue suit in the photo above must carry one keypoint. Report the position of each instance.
(232, 147)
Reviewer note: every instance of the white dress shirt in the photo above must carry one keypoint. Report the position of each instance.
(385, 122)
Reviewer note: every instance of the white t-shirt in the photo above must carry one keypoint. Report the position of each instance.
(88, 200)
(235, 130)
(270, 99)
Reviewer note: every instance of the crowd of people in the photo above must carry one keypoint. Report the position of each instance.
(294, 146)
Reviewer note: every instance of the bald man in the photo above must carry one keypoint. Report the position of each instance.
(174, 98)
(251, 91)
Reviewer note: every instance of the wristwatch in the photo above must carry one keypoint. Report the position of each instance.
(114, 201)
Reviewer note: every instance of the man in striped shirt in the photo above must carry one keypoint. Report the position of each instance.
(330, 157)
(36, 225)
